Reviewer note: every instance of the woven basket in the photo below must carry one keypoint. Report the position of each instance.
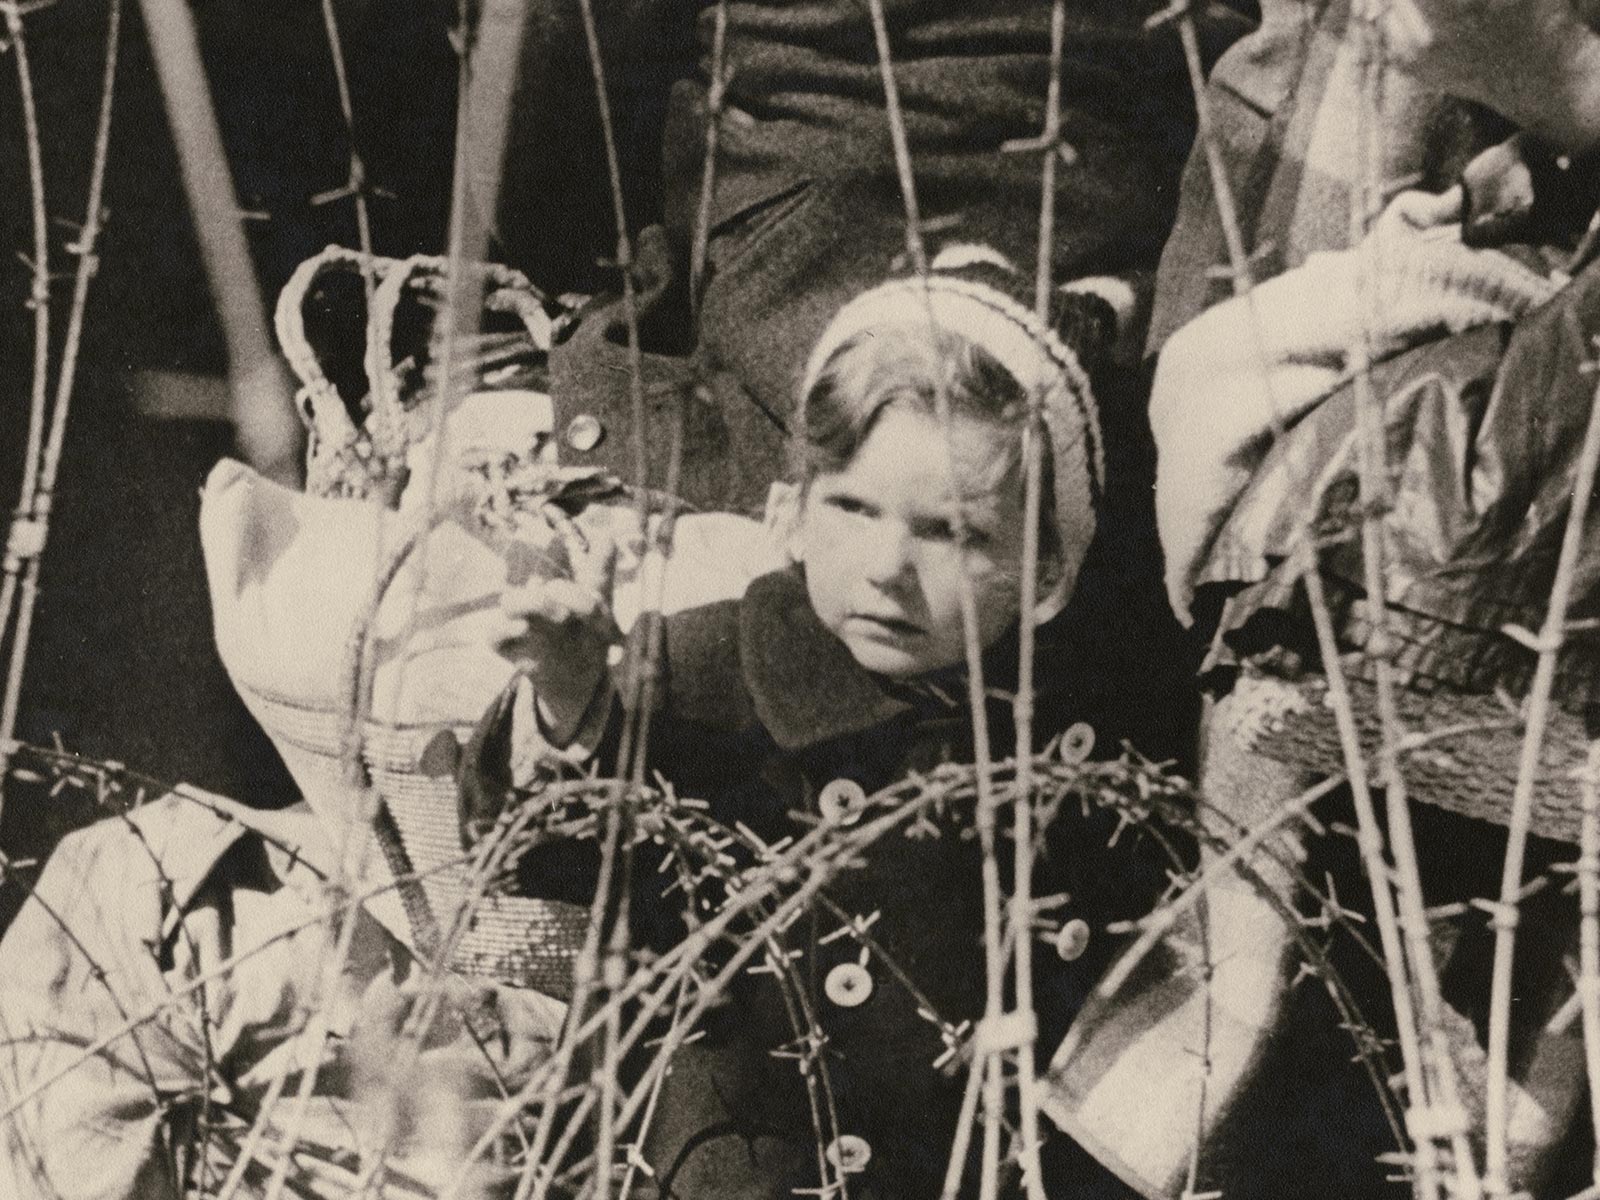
(510, 939)
(1465, 757)
(360, 429)
(307, 589)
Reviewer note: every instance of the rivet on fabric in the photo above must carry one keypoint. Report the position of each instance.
(584, 432)
(1073, 939)
(842, 802)
(849, 1154)
(848, 985)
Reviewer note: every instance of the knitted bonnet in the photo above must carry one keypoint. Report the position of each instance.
(972, 292)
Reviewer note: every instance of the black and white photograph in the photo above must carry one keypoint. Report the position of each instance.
(825, 599)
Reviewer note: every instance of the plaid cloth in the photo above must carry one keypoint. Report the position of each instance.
(1174, 1067)
(1284, 104)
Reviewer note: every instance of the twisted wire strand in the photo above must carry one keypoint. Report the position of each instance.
(96, 971)
(994, 959)
(612, 877)
(1371, 451)
(991, 1077)
(18, 556)
(208, 1068)
(672, 967)
(357, 673)
(39, 490)
(644, 646)
(356, 180)
(1504, 919)
(1021, 911)
(823, 849)
(221, 971)
(829, 851)
(639, 1101)
(641, 651)
(1587, 870)
(482, 116)
(532, 819)
(39, 291)
(1399, 971)
(84, 248)
(481, 120)
(715, 100)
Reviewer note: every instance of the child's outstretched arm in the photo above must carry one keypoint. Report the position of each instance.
(558, 632)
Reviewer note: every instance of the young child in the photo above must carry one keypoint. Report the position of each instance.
(849, 665)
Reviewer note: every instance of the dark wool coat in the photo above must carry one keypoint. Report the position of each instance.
(762, 708)
(807, 210)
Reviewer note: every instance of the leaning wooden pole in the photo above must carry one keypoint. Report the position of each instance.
(267, 429)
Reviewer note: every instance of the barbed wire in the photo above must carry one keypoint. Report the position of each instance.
(1144, 792)
(619, 998)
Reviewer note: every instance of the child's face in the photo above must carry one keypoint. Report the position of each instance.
(883, 566)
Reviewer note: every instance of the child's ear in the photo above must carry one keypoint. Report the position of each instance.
(782, 519)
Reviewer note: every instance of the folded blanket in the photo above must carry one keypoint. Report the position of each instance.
(1244, 369)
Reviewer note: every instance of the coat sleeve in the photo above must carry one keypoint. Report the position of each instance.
(104, 1045)
(82, 960)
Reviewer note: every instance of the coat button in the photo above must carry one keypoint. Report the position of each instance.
(842, 802)
(1077, 743)
(848, 985)
(849, 1154)
(1073, 939)
(584, 432)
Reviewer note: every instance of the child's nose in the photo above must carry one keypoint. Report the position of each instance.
(887, 553)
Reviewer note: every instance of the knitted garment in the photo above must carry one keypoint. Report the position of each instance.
(966, 294)
(1482, 436)
(1483, 432)
(1258, 363)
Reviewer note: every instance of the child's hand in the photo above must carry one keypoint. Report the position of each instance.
(558, 632)
(549, 624)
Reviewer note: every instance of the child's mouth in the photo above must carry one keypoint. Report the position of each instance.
(880, 624)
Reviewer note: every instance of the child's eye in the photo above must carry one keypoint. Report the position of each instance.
(849, 504)
(977, 538)
(942, 529)
(974, 537)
